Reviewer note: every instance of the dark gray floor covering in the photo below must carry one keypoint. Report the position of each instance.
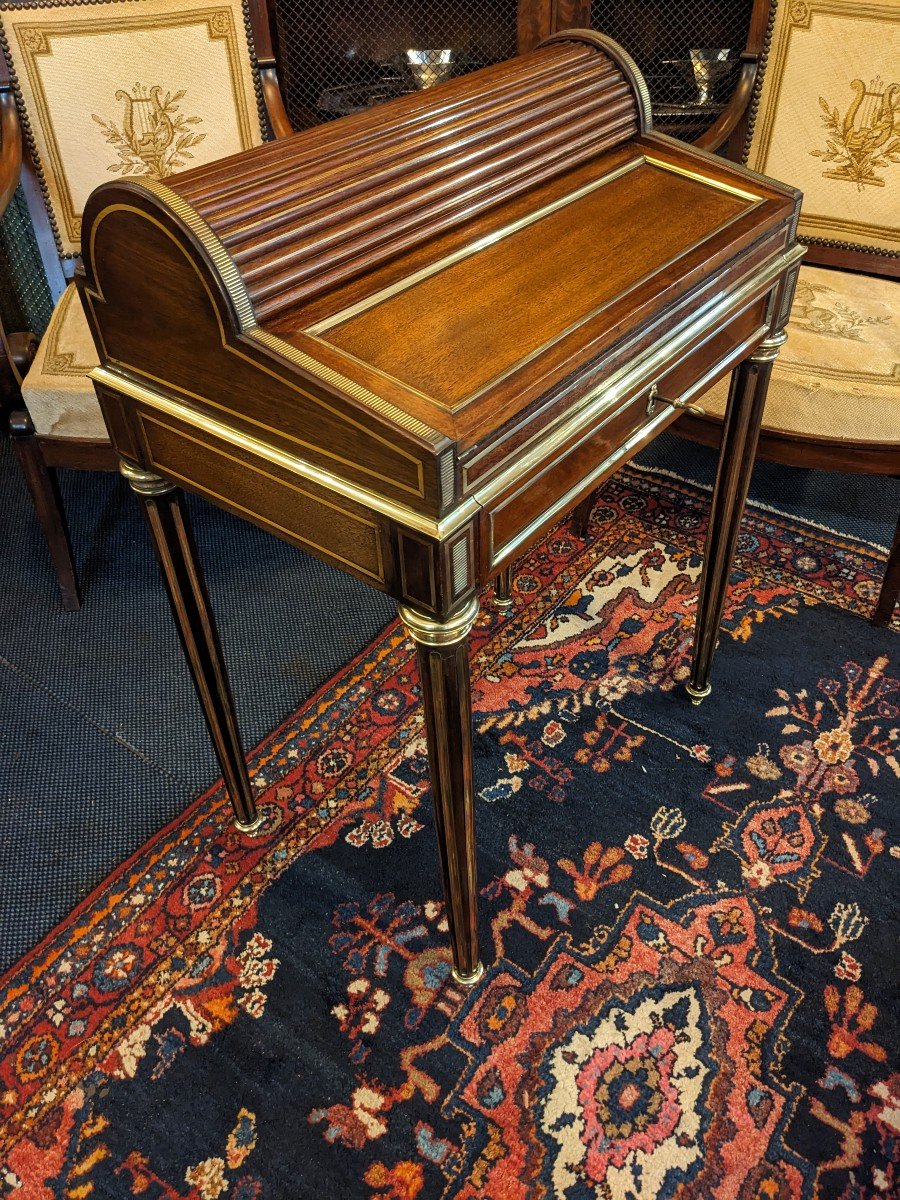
(101, 741)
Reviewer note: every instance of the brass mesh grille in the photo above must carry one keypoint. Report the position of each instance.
(25, 301)
(689, 54)
(340, 56)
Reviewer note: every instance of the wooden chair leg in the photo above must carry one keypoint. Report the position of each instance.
(43, 485)
(890, 588)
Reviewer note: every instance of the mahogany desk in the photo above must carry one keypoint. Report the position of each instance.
(410, 341)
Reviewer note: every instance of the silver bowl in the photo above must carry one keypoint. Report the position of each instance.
(429, 67)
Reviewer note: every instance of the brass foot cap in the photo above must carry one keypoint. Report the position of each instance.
(249, 826)
(502, 606)
(468, 980)
(697, 694)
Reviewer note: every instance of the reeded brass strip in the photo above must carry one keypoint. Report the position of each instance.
(211, 243)
(292, 463)
(450, 260)
(390, 411)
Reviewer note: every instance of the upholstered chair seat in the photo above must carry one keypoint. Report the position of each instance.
(57, 390)
(838, 375)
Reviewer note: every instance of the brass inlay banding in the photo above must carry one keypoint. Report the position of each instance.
(402, 514)
(229, 502)
(699, 177)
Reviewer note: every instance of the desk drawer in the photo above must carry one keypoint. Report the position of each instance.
(570, 470)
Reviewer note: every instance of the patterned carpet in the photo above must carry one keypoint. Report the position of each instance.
(687, 914)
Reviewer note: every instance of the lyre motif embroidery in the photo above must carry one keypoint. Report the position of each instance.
(154, 138)
(865, 140)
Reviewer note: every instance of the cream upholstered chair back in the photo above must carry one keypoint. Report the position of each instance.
(827, 119)
(113, 88)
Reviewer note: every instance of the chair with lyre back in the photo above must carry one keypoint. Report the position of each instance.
(827, 120)
(91, 90)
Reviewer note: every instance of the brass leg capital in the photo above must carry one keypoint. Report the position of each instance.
(767, 351)
(145, 483)
(426, 631)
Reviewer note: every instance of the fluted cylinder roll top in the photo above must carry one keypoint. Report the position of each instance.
(302, 215)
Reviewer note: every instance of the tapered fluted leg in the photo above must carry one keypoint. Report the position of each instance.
(167, 518)
(443, 653)
(740, 433)
(503, 590)
(581, 517)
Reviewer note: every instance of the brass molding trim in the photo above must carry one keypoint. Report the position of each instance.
(621, 58)
(426, 631)
(482, 243)
(145, 483)
(221, 259)
(767, 350)
(699, 177)
(403, 515)
(638, 373)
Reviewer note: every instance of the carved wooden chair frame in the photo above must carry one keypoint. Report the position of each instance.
(39, 457)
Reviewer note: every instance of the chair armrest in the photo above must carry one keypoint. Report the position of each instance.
(10, 146)
(736, 109)
(277, 113)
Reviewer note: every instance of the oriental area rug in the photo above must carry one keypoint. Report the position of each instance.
(688, 916)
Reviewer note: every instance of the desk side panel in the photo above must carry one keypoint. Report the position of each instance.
(157, 317)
